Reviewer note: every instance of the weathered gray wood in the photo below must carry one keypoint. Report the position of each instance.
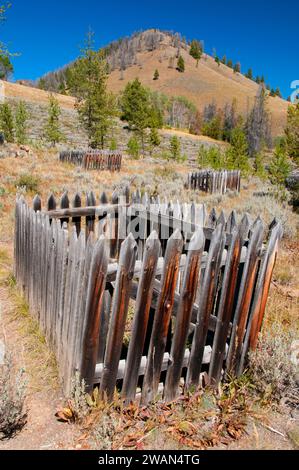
(183, 317)
(84, 211)
(92, 319)
(244, 298)
(141, 315)
(54, 271)
(118, 316)
(225, 309)
(231, 222)
(205, 307)
(64, 204)
(162, 318)
(73, 255)
(77, 220)
(263, 284)
(37, 203)
(90, 219)
(104, 325)
(165, 362)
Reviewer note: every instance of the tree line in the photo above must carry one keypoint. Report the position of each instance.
(145, 112)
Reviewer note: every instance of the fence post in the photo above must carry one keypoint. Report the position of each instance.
(141, 316)
(162, 318)
(205, 306)
(120, 305)
(91, 325)
(183, 317)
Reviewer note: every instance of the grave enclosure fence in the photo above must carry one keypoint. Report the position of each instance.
(191, 305)
(214, 182)
(93, 159)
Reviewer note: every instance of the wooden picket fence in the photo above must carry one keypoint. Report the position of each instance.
(93, 159)
(198, 297)
(214, 181)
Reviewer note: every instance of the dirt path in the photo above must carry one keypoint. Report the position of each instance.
(20, 337)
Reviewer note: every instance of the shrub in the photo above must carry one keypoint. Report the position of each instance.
(133, 148)
(22, 116)
(175, 147)
(7, 123)
(154, 138)
(181, 64)
(12, 396)
(113, 144)
(156, 75)
(258, 166)
(279, 167)
(237, 154)
(269, 207)
(210, 157)
(273, 370)
(213, 128)
(29, 182)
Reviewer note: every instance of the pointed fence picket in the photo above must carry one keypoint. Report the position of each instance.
(93, 159)
(197, 298)
(214, 182)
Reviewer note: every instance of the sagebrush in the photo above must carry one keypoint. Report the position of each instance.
(274, 371)
(13, 414)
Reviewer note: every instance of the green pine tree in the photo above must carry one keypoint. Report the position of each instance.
(292, 133)
(175, 147)
(230, 63)
(213, 128)
(156, 75)
(6, 67)
(87, 80)
(113, 144)
(181, 64)
(210, 157)
(217, 60)
(133, 148)
(237, 157)
(7, 122)
(52, 131)
(279, 167)
(249, 74)
(154, 137)
(258, 166)
(22, 116)
(195, 50)
(237, 68)
(224, 60)
(138, 110)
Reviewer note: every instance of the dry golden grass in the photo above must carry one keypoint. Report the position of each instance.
(26, 93)
(201, 85)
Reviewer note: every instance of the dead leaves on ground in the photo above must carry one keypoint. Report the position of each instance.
(198, 421)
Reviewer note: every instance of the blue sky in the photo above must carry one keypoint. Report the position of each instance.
(260, 34)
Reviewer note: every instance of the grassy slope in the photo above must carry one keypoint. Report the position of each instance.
(201, 85)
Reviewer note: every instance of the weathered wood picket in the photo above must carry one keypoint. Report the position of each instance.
(214, 181)
(93, 159)
(197, 299)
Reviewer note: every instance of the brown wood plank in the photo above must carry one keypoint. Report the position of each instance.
(183, 317)
(162, 317)
(225, 309)
(92, 319)
(244, 298)
(205, 307)
(118, 316)
(141, 316)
